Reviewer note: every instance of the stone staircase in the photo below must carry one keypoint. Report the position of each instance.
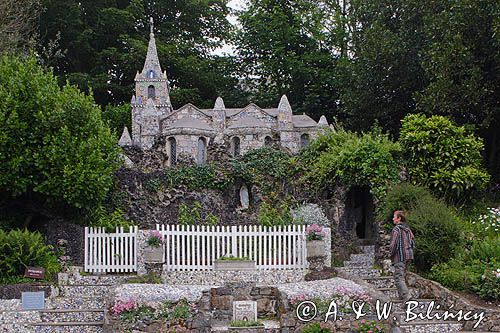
(362, 266)
(76, 305)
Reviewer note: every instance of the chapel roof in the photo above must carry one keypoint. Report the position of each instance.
(302, 120)
(190, 122)
(247, 122)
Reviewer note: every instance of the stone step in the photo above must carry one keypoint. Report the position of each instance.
(61, 303)
(423, 304)
(361, 272)
(19, 316)
(23, 327)
(381, 282)
(369, 249)
(401, 316)
(69, 327)
(361, 257)
(91, 280)
(431, 327)
(72, 315)
(74, 291)
(362, 264)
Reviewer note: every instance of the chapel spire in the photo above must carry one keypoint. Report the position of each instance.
(152, 68)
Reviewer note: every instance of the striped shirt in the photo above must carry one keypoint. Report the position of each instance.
(402, 243)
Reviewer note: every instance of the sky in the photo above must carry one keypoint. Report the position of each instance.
(226, 48)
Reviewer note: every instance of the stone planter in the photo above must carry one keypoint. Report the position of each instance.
(234, 265)
(252, 329)
(153, 254)
(315, 248)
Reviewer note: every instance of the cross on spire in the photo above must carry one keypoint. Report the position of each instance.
(151, 24)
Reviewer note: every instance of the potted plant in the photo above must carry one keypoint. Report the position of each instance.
(314, 244)
(153, 253)
(232, 263)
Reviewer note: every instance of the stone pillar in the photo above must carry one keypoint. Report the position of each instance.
(142, 237)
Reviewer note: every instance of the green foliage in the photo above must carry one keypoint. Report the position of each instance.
(318, 328)
(437, 229)
(20, 249)
(212, 220)
(473, 269)
(286, 48)
(52, 141)
(110, 220)
(140, 313)
(275, 213)
(118, 117)
(404, 196)
(196, 177)
(443, 156)
(189, 215)
(266, 167)
(370, 159)
(149, 278)
(370, 327)
(245, 323)
(231, 257)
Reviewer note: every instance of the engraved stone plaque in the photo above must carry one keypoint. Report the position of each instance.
(245, 310)
(33, 300)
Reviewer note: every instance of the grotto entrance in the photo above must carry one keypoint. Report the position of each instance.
(360, 212)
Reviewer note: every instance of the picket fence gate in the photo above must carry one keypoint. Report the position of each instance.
(195, 248)
(110, 252)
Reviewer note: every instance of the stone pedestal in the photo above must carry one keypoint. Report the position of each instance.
(316, 263)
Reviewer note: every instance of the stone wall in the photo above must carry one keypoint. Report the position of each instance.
(447, 298)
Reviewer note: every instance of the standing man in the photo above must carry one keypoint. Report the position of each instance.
(402, 246)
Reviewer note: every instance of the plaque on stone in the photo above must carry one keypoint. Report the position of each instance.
(33, 300)
(245, 310)
(34, 272)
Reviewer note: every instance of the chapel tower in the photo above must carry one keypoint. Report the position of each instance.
(152, 98)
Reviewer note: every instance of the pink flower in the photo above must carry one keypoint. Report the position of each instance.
(122, 306)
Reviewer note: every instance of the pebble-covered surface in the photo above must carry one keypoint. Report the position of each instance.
(263, 277)
(147, 293)
(432, 328)
(68, 329)
(86, 316)
(322, 288)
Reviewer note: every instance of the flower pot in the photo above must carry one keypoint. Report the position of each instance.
(315, 248)
(234, 265)
(153, 254)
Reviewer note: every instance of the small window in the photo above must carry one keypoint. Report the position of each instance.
(151, 92)
(172, 150)
(151, 74)
(235, 143)
(202, 151)
(268, 142)
(304, 140)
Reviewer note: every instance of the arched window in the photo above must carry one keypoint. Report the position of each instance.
(202, 151)
(151, 74)
(304, 140)
(268, 141)
(172, 151)
(151, 92)
(235, 145)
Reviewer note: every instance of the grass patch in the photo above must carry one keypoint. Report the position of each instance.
(150, 278)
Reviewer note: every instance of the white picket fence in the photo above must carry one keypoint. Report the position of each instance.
(189, 248)
(110, 252)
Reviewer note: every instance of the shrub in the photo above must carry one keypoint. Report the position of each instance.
(310, 214)
(197, 177)
(322, 327)
(22, 248)
(402, 196)
(103, 218)
(277, 214)
(437, 233)
(443, 156)
(370, 326)
(370, 159)
(437, 229)
(488, 287)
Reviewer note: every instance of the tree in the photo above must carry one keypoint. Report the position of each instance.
(462, 62)
(54, 147)
(443, 157)
(18, 24)
(106, 43)
(282, 46)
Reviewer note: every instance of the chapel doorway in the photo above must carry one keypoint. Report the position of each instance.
(360, 212)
